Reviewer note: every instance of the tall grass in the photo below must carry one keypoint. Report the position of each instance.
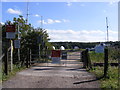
(96, 57)
(111, 82)
(16, 69)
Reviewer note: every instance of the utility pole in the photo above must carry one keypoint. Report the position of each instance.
(41, 22)
(27, 12)
(107, 29)
(40, 36)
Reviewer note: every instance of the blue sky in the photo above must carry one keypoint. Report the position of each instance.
(68, 21)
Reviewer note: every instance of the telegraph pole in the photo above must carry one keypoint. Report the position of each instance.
(107, 29)
(27, 12)
(41, 22)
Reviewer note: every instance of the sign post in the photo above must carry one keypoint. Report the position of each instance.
(18, 44)
(10, 34)
(11, 55)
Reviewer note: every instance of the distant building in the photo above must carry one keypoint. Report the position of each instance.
(99, 48)
(53, 47)
(62, 48)
(76, 47)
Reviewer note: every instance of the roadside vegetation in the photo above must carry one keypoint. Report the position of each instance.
(111, 81)
(13, 73)
(30, 39)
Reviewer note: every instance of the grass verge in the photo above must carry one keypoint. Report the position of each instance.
(13, 73)
(111, 82)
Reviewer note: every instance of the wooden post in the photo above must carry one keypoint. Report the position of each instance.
(6, 62)
(84, 59)
(27, 62)
(88, 60)
(11, 55)
(105, 62)
(30, 57)
(119, 69)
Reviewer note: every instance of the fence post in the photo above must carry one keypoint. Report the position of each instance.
(6, 62)
(83, 56)
(88, 60)
(30, 57)
(27, 62)
(118, 68)
(105, 62)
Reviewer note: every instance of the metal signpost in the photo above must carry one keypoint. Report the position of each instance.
(18, 44)
(10, 34)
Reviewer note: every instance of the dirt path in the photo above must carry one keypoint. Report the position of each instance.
(68, 74)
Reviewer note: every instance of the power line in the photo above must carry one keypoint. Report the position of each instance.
(107, 29)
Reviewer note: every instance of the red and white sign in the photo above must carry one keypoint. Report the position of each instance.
(10, 28)
(56, 53)
(56, 56)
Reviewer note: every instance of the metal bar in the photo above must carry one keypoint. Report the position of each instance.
(2, 56)
(11, 55)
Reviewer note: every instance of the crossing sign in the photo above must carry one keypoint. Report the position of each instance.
(56, 53)
(56, 56)
(10, 28)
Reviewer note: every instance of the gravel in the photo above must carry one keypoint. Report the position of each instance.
(48, 75)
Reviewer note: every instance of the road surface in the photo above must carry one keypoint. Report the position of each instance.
(68, 74)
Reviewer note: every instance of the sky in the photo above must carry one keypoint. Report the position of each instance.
(68, 21)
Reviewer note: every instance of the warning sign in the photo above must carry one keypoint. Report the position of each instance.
(56, 56)
(56, 53)
(10, 28)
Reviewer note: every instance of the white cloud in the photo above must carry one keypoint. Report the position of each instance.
(42, 22)
(113, 2)
(82, 35)
(13, 11)
(51, 21)
(57, 21)
(64, 20)
(69, 3)
(2, 23)
(36, 15)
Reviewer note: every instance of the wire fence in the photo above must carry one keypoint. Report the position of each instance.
(105, 65)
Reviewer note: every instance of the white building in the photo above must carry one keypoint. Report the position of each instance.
(76, 47)
(62, 48)
(99, 48)
(53, 47)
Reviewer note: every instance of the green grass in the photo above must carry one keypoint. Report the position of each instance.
(0, 76)
(111, 81)
(96, 57)
(13, 73)
(112, 78)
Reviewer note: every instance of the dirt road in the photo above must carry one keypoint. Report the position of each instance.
(68, 74)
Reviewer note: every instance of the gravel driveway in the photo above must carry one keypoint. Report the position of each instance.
(68, 74)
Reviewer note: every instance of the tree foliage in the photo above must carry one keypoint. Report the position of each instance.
(31, 38)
